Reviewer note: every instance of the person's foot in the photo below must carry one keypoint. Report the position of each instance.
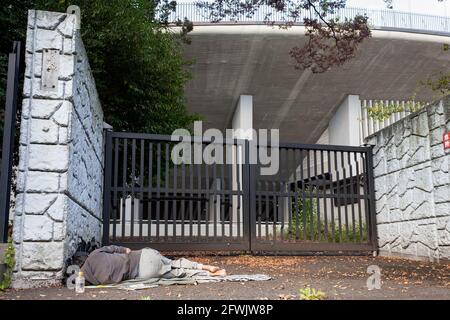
(211, 269)
(219, 273)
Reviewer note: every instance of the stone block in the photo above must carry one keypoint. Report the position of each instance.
(59, 231)
(423, 179)
(63, 115)
(42, 255)
(49, 20)
(67, 67)
(68, 46)
(44, 131)
(443, 230)
(48, 39)
(24, 128)
(444, 252)
(442, 194)
(44, 109)
(426, 233)
(436, 121)
(58, 210)
(437, 151)
(37, 228)
(39, 181)
(442, 209)
(37, 203)
(31, 20)
(419, 125)
(67, 27)
(48, 157)
(421, 153)
(422, 210)
(63, 135)
(436, 136)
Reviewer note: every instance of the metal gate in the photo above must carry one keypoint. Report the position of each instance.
(320, 200)
(150, 201)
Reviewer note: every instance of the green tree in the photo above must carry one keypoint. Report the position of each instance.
(13, 20)
(136, 59)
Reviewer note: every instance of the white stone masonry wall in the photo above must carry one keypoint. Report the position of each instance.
(412, 185)
(61, 154)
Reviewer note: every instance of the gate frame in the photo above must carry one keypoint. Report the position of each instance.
(250, 242)
(242, 246)
(305, 248)
(9, 131)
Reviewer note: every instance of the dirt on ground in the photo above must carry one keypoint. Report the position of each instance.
(338, 277)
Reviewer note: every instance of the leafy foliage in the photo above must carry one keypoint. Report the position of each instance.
(136, 61)
(135, 58)
(381, 110)
(9, 260)
(13, 19)
(307, 224)
(439, 83)
(309, 293)
(304, 220)
(331, 44)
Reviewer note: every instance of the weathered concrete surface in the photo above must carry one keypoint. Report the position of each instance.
(59, 187)
(412, 185)
(231, 60)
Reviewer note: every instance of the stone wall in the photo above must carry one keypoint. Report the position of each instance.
(412, 185)
(59, 187)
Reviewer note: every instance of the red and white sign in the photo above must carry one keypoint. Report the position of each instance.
(446, 140)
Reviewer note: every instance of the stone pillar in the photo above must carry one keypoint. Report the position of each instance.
(59, 188)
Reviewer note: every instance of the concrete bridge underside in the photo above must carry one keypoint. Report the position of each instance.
(231, 60)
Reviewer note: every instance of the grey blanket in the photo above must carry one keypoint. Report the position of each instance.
(139, 284)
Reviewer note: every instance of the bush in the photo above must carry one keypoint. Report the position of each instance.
(10, 261)
(306, 224)
(309, 293)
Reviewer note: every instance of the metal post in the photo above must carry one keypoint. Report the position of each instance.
(371, 194)
(8, 139)
(107, 187)
(250, 196)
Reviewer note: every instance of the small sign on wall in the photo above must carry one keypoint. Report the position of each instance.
(50, 70)
(446, 140)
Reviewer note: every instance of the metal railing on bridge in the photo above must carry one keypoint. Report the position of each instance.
(378, 19)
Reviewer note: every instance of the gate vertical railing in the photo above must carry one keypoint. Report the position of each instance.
(9, 129)
(106, 184)
(372, 209)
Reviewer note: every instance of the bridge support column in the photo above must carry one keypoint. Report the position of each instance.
(344, 127)
(242, 124)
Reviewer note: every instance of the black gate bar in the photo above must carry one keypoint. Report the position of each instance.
(9, 131)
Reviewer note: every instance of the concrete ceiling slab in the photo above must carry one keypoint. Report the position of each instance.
(233, 60)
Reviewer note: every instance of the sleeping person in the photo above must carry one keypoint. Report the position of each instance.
(114, 264)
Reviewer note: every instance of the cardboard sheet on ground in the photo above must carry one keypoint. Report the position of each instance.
(139, 284)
